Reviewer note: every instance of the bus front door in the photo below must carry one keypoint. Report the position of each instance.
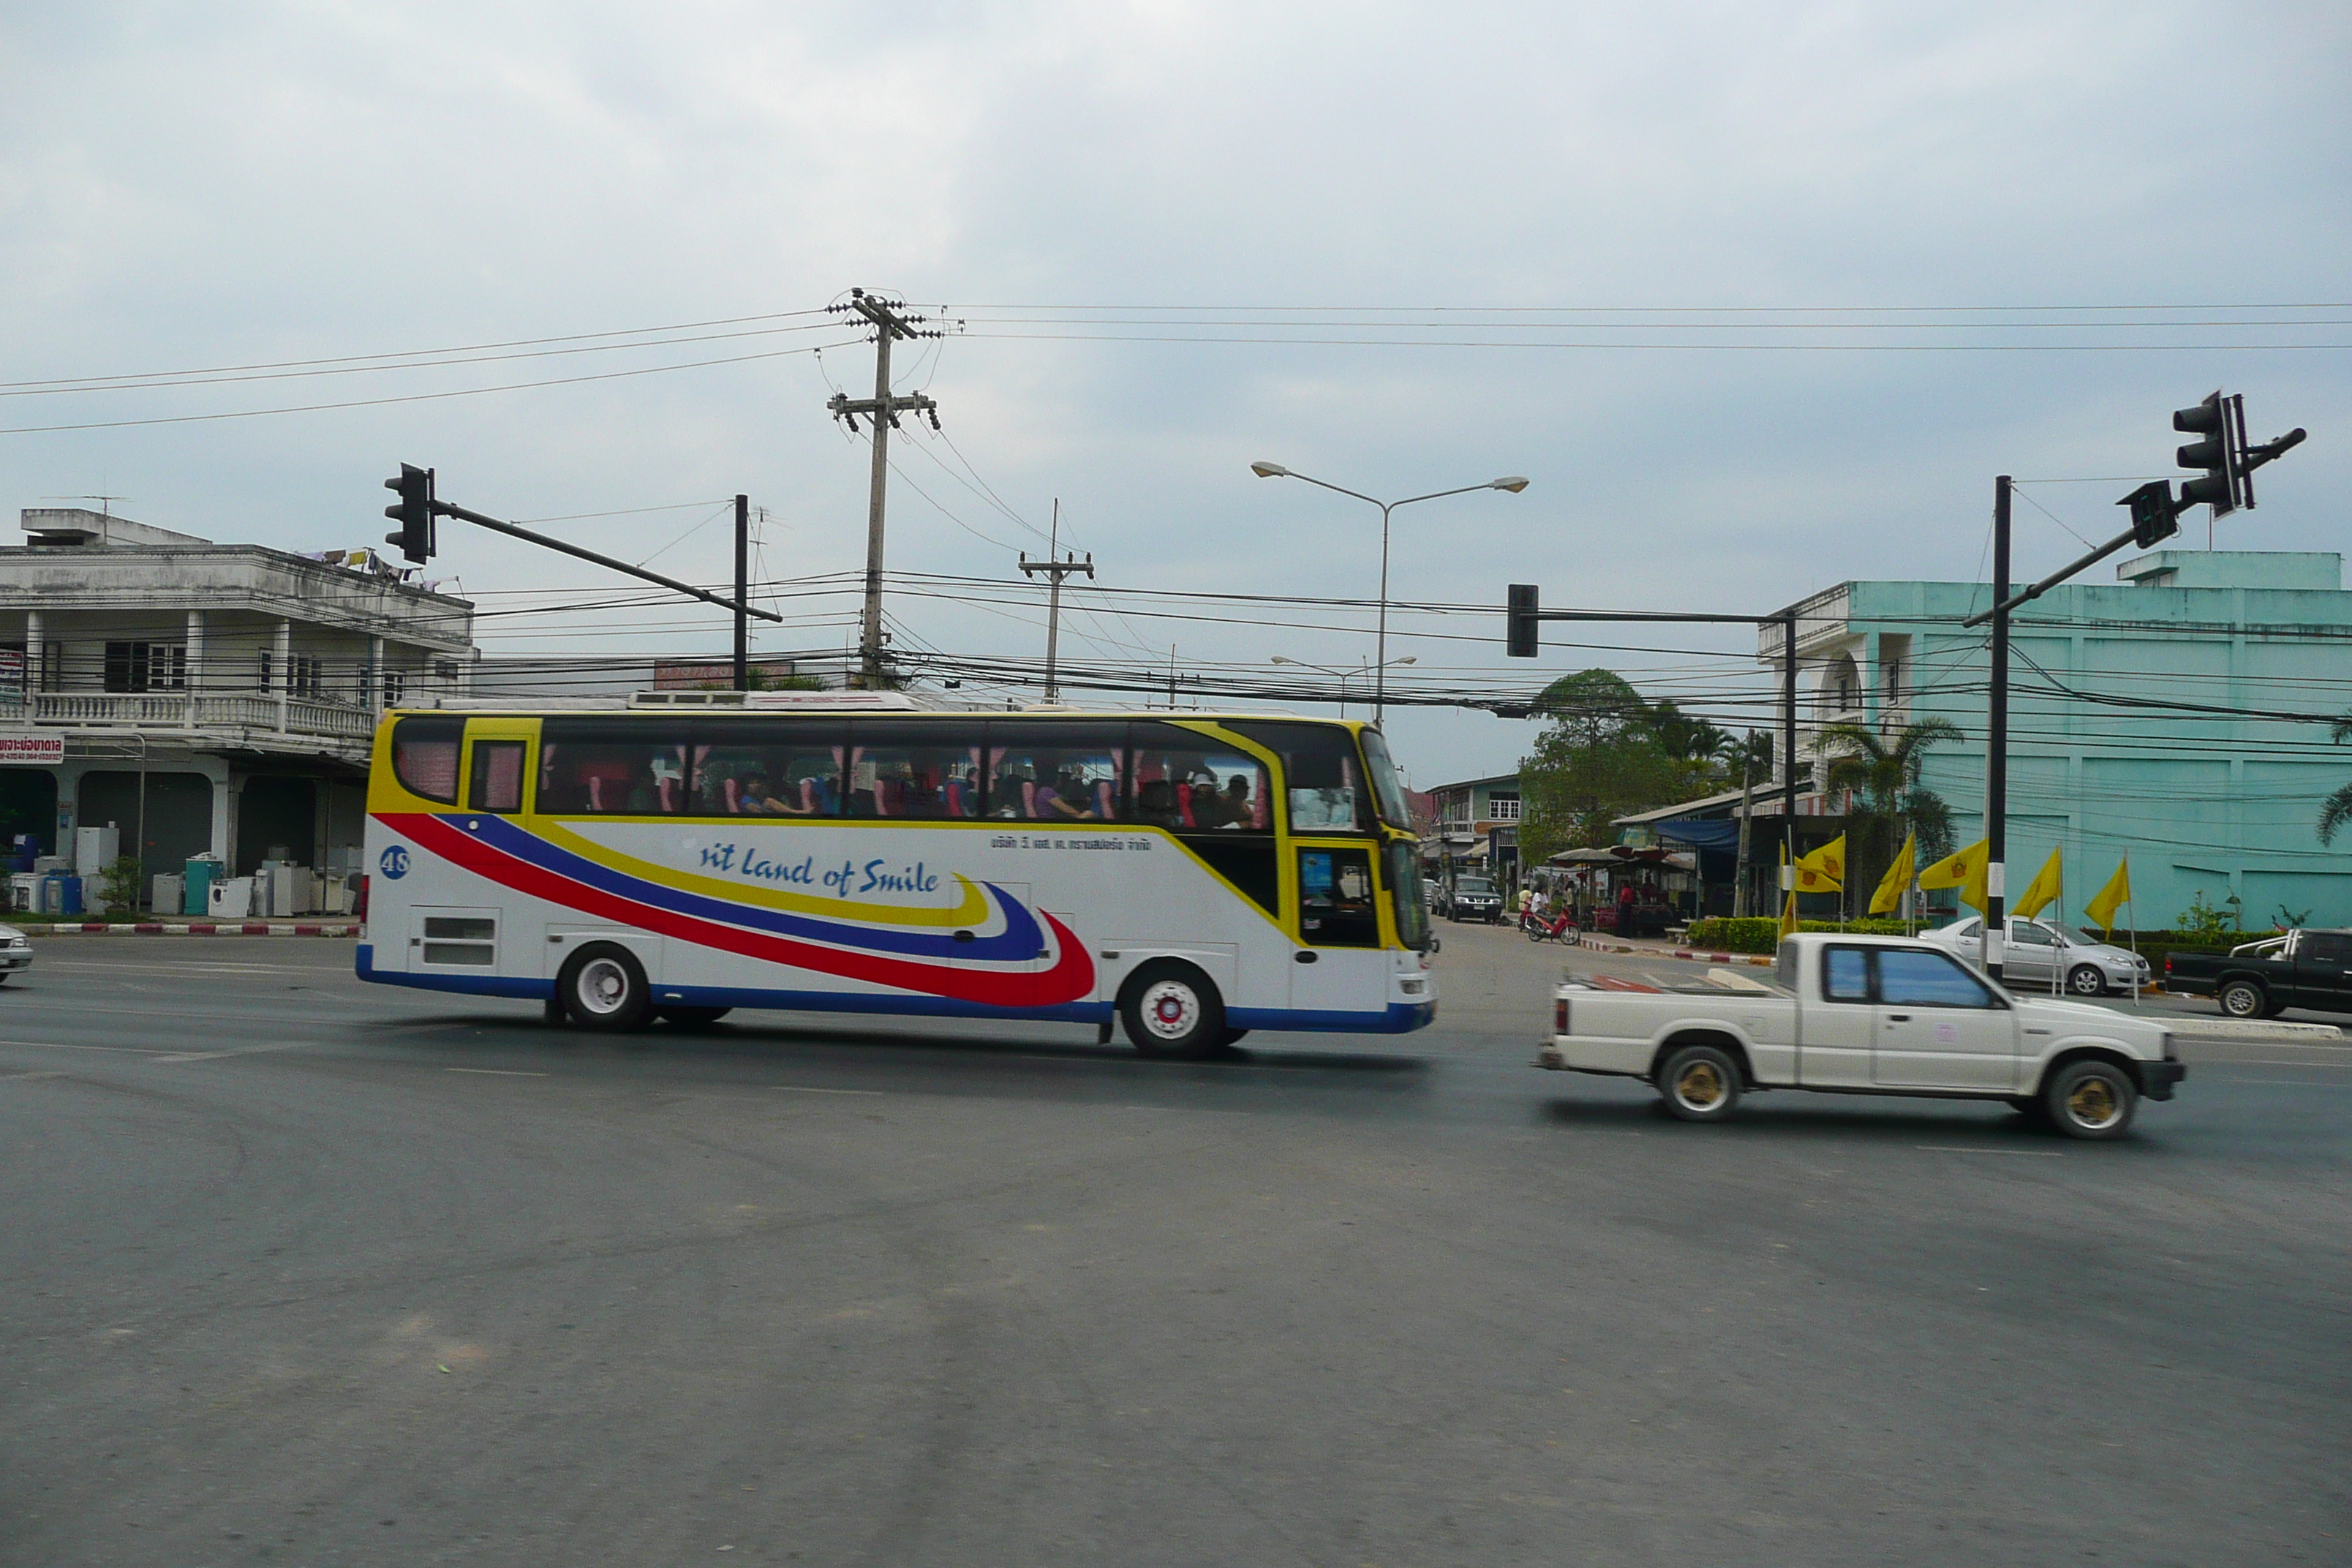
(1339, 969)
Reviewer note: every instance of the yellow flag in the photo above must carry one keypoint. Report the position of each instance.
(1965, 871)
(2118, 893)
(2046, 885)
(1824, 871)
(1889, 897)
(1788, 916)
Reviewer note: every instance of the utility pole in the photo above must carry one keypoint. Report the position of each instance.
(1997, 741)
(1739, 885)
(742, 593)
(1054, 567)
(882, 411)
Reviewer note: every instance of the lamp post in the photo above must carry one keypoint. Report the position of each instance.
(1340, 674)
(1511, 482)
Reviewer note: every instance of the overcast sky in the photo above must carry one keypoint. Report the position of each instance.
(188, 187)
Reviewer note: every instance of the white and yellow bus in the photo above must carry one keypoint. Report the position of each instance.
(1191, 877)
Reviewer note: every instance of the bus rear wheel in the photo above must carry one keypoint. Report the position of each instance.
(602, 986)
(1171, 1009)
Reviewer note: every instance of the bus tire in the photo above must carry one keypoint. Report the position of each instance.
(1171, 1009)
(684, 1016)
(602, 986)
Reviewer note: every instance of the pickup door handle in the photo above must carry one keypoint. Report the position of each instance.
(1899, 1017)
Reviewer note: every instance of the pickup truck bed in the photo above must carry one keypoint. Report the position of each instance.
(2262, 979)
(1866, 1015)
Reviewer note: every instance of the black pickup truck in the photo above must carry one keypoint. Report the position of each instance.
(2262, 979)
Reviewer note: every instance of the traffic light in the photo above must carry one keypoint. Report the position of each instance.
(2222, 421)
(1520, 628)
(413, 512)
(2154, 517)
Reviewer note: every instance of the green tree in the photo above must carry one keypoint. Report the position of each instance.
(1883, 776)
(1599, 759)
(2337, 809)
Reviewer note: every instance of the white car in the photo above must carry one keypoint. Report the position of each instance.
(15, 953)
(2038, 950)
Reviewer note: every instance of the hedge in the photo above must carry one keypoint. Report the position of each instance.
(1761, 933)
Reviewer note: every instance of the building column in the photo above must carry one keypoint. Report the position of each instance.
(282, 671)
(196, 667)
(226, 789)
(376, 676)
(34, 657)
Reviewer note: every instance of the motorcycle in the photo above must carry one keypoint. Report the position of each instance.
(1560, 928)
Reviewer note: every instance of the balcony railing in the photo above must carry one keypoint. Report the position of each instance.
(163, 710)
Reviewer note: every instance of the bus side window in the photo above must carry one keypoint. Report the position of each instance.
(1320, 773)
(496, 784)
(1055, 772)
(768, 767)
(1190, 782)
(613, 767)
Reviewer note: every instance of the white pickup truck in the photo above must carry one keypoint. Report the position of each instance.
(1862, 1014)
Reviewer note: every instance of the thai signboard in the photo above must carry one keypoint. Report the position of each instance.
(31, 748)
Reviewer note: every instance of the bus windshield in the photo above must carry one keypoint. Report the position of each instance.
(1388, 787)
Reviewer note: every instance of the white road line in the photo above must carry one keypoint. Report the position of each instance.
(44, 1072)
(2278, 1062)
(2288, 1082)
(122, 1050)
(805, 1088)
(1954, 1149)
(496, 1072)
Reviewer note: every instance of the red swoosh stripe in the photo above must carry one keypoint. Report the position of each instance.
(1071, 978)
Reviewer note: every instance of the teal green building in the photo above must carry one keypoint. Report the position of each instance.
(2180, 714)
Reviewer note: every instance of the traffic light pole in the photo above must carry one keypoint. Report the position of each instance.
(1996, 740)
(1525, 610)
(742, 593)
(741, 605)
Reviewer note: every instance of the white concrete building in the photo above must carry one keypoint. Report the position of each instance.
(204, 697)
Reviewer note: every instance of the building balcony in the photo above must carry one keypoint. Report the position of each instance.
(179, 711)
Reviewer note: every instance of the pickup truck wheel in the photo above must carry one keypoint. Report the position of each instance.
(2092, 1100)
(2085, 980)
(1699, 1083)
(2242, 999)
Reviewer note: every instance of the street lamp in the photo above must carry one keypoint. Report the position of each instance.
(1340, 674)
(1514, 483)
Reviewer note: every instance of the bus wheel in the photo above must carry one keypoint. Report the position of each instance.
(602, 986)
(689, 1018)
(1170, 1009)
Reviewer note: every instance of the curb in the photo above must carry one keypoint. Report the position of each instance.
(2196, 1028)
(1752, 960)
(194, 928)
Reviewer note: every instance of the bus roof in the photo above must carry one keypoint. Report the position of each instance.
(891, 704)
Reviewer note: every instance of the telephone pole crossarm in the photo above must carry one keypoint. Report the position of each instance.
(881, 411)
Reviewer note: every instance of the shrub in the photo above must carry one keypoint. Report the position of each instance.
(1761, 933)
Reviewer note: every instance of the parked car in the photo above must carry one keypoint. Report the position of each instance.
(1474, 898)
(1874, 1015)
(2037, 950)
(2262, 979)
(15, 953)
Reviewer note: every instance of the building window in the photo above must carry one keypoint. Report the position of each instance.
(52, 673)
(146, 666)
(306, 675)
(1501, 807)
(396, 685)
(444, 670)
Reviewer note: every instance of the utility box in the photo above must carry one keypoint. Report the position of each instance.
(24, 893)
(60, 894)
(96, 848)
(171, 894)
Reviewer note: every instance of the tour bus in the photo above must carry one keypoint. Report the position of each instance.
(1192, 877)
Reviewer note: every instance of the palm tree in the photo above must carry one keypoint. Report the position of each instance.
(1883, 778)
(2337, 809)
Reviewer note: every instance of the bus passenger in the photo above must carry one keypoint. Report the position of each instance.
(759, 800)
(1068, 800)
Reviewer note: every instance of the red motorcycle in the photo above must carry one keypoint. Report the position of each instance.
(1560, 928)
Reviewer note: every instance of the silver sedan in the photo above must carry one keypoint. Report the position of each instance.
(2043, 953)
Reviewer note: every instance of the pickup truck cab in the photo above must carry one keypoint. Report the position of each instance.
(2262, 979)
(1860, 1014)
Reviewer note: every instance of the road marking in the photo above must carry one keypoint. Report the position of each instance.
(44, 1072)
(805, 1088)
(1955, 1149)
(496, 1072)
(2292, 1082)
(124, 1051)
(2279, 1062)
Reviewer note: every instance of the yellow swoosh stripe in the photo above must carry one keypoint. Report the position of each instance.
(970, 910)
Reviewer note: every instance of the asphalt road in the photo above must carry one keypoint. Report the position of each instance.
(303, 1271)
